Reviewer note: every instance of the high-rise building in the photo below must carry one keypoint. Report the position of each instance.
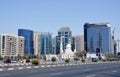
(29, 45)
(97, 37)
(66, 34)
(46, 43)
(37, 43)
(54, 45)
(79, 42)
(11, 45)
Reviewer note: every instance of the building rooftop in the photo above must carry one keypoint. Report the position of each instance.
(99, 24)
(64, 29)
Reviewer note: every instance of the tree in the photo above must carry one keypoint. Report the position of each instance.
(53, 59)
(76, 58)
(80, 53)
(67, 60)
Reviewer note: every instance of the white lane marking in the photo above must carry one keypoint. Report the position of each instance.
(58, 73)
(10, 68)
(36, 67)
(1, 69)
(114, 71)
(53, 65)
(58, 65)
(42, 66)
(28, 67)
(91, 76)
(20, 67)
(49, 66)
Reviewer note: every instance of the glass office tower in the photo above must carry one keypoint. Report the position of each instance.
(97, 38)
(46, 43)
(28, 35)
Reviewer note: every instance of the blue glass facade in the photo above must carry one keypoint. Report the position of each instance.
(97, 38)
(28, 35)
(46, 43)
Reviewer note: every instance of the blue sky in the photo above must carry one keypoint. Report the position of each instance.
(50, 15)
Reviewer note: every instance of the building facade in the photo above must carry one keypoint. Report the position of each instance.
(66, 34)
(37, 45)
(97, 38)
(11, 45)
(79, 42)
(29, 44)
(46, 43)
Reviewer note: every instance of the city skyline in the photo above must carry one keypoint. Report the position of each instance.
(49, 16)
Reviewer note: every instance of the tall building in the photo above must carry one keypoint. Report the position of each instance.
(46, 43)
(11, 45)
(29, 45)
(54, 45)
(97, 37)
(37, 43)
(66, 34)
(79, 42)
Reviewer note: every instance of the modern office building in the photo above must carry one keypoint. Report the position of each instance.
(11, 45)
(29, 45)
(54, 45)
(37, 43)
(79, 42)
(46, 43)
(66, 34)
(97, 38)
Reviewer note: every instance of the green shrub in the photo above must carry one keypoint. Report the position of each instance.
(83, 60)
(53, 59)
(76, 58)
(104, 60)
(35, 62)
(67, 60)
(94, 60)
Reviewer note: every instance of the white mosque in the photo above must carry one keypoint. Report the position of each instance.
(68, 53)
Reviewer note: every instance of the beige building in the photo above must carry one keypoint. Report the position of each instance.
(11, 45)
(36, 43)
(79, 42)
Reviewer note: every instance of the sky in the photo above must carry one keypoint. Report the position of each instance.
(51, 15)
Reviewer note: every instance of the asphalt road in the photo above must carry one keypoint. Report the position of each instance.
(85, 70)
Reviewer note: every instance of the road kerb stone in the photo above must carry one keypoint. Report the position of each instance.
(1, 69)
(20, 67)
(10, 68)
(28, 67)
